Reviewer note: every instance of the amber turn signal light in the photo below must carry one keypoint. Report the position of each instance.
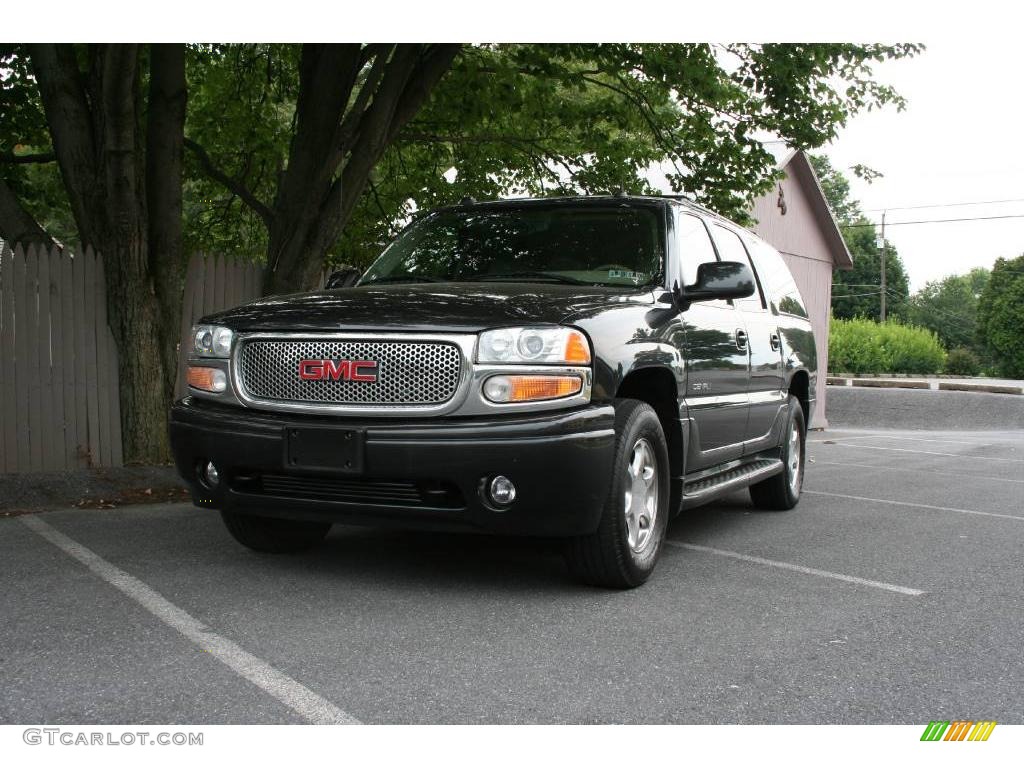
(522, 389)
(577, 351)
(207, 379)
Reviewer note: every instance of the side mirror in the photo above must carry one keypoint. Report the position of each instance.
(721, 280)
(343, 278)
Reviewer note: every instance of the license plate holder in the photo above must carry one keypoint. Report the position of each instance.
(325, 449)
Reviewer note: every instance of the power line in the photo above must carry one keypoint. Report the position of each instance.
(945, 205)
(855, 295)
(936, 221)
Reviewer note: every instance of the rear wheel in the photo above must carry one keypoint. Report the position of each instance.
(782, 491)
(623, 551)
(275, 535)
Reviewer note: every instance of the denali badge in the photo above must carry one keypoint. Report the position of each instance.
(339, 370)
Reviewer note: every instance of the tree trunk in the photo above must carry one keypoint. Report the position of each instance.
(125, 193)
(165, 133)
(298, 256)
(134, 318)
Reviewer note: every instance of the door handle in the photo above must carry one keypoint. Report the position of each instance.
(741, 339)
(776, 342)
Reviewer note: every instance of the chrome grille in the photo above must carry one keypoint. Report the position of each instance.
(417, 373)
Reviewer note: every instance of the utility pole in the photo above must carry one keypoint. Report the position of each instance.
(881, 255)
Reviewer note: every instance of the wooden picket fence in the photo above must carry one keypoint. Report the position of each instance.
(59, 406)
(213, 283)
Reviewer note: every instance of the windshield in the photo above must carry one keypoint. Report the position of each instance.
(582, 245)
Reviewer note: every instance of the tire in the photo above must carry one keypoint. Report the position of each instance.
(782, 491)
(621, 554)
(274, 535)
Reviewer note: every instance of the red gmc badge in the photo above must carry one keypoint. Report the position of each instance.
(338, 370)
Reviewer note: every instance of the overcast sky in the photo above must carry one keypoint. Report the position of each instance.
(960, 140)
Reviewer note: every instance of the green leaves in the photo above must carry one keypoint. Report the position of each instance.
(1001, 316)
(950, 308)
(865, 346)
(510, 119)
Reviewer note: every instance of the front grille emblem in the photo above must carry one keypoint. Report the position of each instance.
(338, 370)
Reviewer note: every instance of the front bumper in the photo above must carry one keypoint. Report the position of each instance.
(415, 473)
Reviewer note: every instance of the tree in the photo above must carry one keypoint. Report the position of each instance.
(350, 104)
(857, 292)
(536, 119)
(119, 154)
(1001, 316)
(308, 152)
(950, 308)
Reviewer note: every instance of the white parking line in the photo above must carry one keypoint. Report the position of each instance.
(986, 442)
(914, 504)
(307, 704)
(927, 453)
(797, 568)
(882, 436)
(887, 468)
(848, 437)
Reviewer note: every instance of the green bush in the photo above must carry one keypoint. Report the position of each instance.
(864, 346)
(962, 362)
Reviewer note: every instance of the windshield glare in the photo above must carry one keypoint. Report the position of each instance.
(586, 245)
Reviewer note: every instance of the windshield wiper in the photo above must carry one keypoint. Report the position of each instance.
(528, 275)
(403, 279)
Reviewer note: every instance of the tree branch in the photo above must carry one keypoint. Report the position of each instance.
(235, 186)
(17, 225)
(410, 77)
(10, 158)
(72, 131)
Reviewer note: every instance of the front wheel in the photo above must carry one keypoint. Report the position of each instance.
(782, 491)
(272, 534)
(623, 551)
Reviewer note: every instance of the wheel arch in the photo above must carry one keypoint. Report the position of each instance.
(800, 388)
(657, 387)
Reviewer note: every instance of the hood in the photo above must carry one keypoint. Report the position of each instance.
(451, 307)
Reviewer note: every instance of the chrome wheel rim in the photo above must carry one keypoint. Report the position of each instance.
(641, 495)
(796, 461)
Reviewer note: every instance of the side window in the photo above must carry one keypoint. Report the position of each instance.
(731, 248)
(778, 281)
(695, 247)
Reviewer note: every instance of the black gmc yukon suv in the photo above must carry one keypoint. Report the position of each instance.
(583, 368)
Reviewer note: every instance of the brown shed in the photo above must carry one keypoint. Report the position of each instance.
(796, 220)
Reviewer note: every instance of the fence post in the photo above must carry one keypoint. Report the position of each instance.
(8, 434)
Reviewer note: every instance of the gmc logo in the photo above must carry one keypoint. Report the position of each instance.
(338, 370)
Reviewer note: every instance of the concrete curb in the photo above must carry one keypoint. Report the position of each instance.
(901, 383)
(995, 388)
(904, 383)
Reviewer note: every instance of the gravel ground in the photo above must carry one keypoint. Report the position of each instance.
(96, 487)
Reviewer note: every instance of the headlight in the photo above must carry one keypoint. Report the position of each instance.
(565, 346)
(211, 341)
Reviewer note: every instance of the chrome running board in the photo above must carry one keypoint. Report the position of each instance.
(709, 488)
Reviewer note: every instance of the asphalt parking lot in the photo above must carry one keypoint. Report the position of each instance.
(894, 593)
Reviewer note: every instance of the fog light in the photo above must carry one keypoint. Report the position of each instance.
(210, 475)
(501, 490)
